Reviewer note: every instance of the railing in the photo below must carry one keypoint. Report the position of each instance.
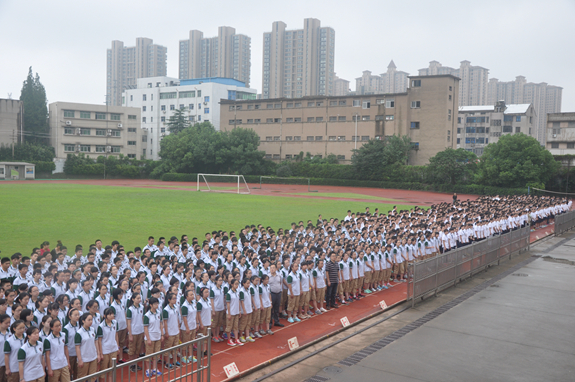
(445, 270)
(564, 222)
(192, 371)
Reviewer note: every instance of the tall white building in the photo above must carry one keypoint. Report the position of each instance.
(392, 81)
(159, 97)
(124, 65)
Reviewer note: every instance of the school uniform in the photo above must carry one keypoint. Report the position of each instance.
(246, 318)
(107, 335)
(265, 293)
(58, 362)
(188, 312)
(217, 296)
(171, 315)
(153, 322)
(232, 317)
(11, 346)
(204, 308)
(85, 339)
(31, 356)
(135, 314)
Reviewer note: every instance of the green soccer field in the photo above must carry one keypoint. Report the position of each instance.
(79, 214)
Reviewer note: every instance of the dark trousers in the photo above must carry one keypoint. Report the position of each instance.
(276, 299)
(330, 295)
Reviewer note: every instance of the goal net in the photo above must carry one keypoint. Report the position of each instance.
(268, 182)
(222, 183)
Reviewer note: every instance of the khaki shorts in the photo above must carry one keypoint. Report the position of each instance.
(256, 316)
(304, 299)
(312, 295)
(185, 337)
(41, 379)
(61, 375)
(245, 321)
(320, 294)
(87, 369)
(284, 300)
(154, 347)
(122, 338)
(203, 331)
(218, 319)
(266, 315)
(367, 277)
(73, 367)
(107, 360)
(136, 345)
(171, 341)
(340, 288)
(13, 377)
(293, 303)
(232, 323)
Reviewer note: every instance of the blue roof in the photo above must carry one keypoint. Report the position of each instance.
(218, 80)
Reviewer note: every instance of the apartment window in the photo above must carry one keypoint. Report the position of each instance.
(507, 129)
(355, 118)
(310, 119)
(115, 149)
(309, 138)
(379, 117)
(341, 118)
(319, 104)
(470, 129)
(162, 119)
(333, 118)
(480, 140)
(181, 107)
(332, 138)
(297, 137)
(163, 129)
(341, 157)
(207, 110)
(270, 106)
(289, 105)
(69, 113)
(289, 120)
(207, 99)
(458, 140)
(389, 117)
(232, 121)
(163, 107)
(459, 130)
(85, 148)
(100, 133)
(289, 138)
(68, 131)
(389, 103)
(341, 138)
(199, 93)
(132, 130)
(507, 118)
(131, 98)
(250, 121)
(365, 117)
(131, 143)
(277, 106)
(342, 102)
(288, 156)
(518, 118)
(476, 120)
(268, 156)
(144, 138)
(319, 119)
(143, 108)
(380, 101)
(143, 97)
(310, 104)
(355, 138)
(554, 145)
(100, 149)
(115, 133)
(131, 117)
(365, 104)
(276, 156)
(144, 119)
(69, 148)
(571, 145)
(269, 120)
(517, 129)
(556, 131)
(319, 138)
(85, 114)
(332, 103)
(356, 103)
(415, 83)
(365, 137)
(495, 122)
(469, 141)
(480, 129)
(450, 88)
(257, 120)
(415, 104)
(297, 104)
(450, 97)
(115, 117)
(276, 138)
(84, 131)
(172, 107)
(415, 125)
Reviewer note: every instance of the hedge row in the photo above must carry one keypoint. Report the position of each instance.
(44, 166)
(472, 189)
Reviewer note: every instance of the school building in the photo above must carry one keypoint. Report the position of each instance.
(322, 125)
(561, 135)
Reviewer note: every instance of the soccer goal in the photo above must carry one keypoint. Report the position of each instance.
(270, 180)
(223, 183)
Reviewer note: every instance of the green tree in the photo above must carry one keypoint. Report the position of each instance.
(177, 122)
(452, 166)
(33, 97)
(370, 159)
(516, 161)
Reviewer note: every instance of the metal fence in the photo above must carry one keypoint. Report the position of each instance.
(444, 270)
(564, 222)
(192, 371)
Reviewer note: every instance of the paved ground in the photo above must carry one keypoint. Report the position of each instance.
(518, 329)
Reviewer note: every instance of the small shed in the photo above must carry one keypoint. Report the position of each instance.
(17, 170)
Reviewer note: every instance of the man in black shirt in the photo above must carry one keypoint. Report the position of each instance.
(331, 275)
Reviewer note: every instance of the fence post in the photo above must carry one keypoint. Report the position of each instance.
(209, 363)
(114, 369)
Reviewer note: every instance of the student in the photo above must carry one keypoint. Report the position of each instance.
(44, 327)
(56, 353)
(293, 282)
(217, 297)
(103, 298)
(30, 357)
(4, 334)
(256, 304)
(266, 303)
(11, 347)
(93, 308)
(87, 353)
(107, 340)
(153, 335)
(188, 325)
(204, 312)
(171, 328)
(135, 326)
(119, 311)
(246, 312)
(319, 276)
(233, 313)
(70, 330)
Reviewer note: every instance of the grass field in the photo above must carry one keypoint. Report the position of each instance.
(344, 195)
(79, 214)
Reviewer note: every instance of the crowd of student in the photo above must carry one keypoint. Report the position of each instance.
(63, 314)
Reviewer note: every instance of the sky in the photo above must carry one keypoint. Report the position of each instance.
(65, 41)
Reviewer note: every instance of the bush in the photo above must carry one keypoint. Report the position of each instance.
(44, 166)
(284, 171)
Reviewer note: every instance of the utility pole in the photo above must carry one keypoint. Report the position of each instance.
(13, 138)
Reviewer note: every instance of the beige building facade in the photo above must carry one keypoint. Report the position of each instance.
(561, 134)
(426, 113)
(95, 130)
(340, 86)
(11, 123)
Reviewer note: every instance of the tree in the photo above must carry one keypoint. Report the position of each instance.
(516, 161)
(452, 166)
(33, 97)
(370, 159)
(177, 122)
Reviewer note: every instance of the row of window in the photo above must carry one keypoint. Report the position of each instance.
(291, 156)
(555, 145)
(340, 118)
(98, 149)
(485, 130)
(354, 138)
(172, 95)
(97, 115)
(99, 132)
(365, 104)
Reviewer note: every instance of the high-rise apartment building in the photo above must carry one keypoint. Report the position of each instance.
(126, 64)
(298, 63)
(545, 99)
(228, 56)
(473, 85)
(392, 81)
(340, 86)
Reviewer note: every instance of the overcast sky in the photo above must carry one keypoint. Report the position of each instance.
(65, 41)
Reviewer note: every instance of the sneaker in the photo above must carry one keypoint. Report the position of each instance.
(157, 372)
(263, 332)
(296, 319)
(250, 339)
(309, 313)
(238, 342)
(169, 366)
(194, 360)
(290, 320)
(318, 311)
(184, 359)
(133, 368)
(256, 334)
(149, 373)
(323, 310)
(177, 363)
(225, 336)
(231, 343)
(270, 332)
(242, 339)
(216, 339)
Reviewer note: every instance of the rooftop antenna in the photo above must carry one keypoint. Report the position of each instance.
(9, 95)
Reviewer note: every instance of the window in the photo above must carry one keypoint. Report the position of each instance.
(365, 137)
(277, 106)
(355, 118)
(415, 125)
(507, 118)
(297, 137)
(415, 104)
(232, 121)
(100, 149)
(319, 119)
(365, 117)
(318, 138)
(379, 117)
(356, 103)
(475, 120)
(470, 129)
(517, 129)
(191, 94)
(341, 118)
(415, 83)
(143, 108)
(450, 97)
(172, 107)
(100, 133)
(380, 101)
(115, 133)
(554, 145)
(342, 102)
(297, 104)
(276, 156)
(389, 117)
(131, 143)
(507, 129)
(115, 117)
(319, 104)
(480, 130)
(85, 114)
(207, 110)
(310, 119)
(69, 148)
(268, 156)
(69, 113)
(163, 107)
(68, 131)
(257, 120)
(495, 122)
(571, 145)
(181, 107)
(332, 103)
(115, 149)
(470, 141)
(170, 95)
(331, 138)
(207, 99)
(144, 119)
(162, 119)
(199, 93)
(144, 138)
(365, 104)
(85, 148)
(289, 138)
(450, 88)
(143, 97)
(269, 120)
(162, 130)
(341, 138)
(458, 140)
(131, 129)
(288, 156)
(415, 145)
(341, 157)
(518, 118)
(556, 131)
(355, 138)
(389, 103)
(84, 131)
(289, 105)
(309, 138)
(270, 106)
(132, 156)
(131, 117)
(480, 140)
(333, 118)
